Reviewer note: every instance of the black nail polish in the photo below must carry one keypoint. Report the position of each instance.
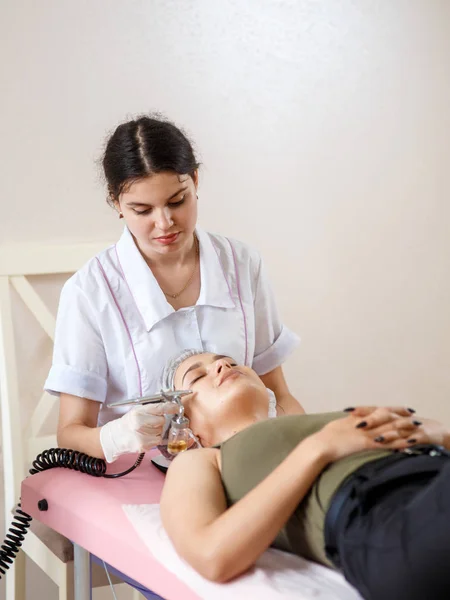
(411, 410)
(380, 438)
(361, 425)
(412, 441)
(349, 409)
(417, 423)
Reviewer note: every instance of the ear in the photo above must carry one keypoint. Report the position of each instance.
(113, 200)
(116, 205)
(195, 178)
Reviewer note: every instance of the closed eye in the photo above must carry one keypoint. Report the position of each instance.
(197, 378)
(142, 212)
(178, 203)
(231, 364)
(171, 205)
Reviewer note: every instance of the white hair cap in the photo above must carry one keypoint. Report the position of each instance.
(168, 377)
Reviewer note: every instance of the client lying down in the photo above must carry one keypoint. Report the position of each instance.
(328, 487)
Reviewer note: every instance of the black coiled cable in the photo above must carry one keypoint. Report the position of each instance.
(72, 459)
(51, 459)
(13, 540)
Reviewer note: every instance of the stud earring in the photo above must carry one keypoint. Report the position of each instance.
(120, 215)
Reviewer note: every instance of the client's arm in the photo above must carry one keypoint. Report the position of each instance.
(222, 543)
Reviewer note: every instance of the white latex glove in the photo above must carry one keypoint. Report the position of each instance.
(137, 431)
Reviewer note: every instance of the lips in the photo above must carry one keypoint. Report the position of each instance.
(167, 239)
(229, 373)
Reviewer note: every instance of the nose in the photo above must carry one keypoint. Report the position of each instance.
(220, 365)
(164, 219)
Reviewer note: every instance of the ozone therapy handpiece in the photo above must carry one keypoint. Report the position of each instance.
(169, 396)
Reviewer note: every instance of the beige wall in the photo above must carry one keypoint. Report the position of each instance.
(324, 132)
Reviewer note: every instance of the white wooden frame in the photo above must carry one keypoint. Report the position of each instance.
(17, 262)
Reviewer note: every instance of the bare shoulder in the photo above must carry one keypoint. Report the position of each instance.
(193, 498)
(195, 469)
(192, 459)
(195, 477)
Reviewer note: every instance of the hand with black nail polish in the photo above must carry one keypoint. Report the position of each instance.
(364, 411)
(425, 431)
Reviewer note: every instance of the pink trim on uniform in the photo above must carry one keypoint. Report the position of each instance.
(240, 299)
(125, 324)
(223, 272)
(126, 281)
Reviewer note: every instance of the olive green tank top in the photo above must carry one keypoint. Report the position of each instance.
(252, 454)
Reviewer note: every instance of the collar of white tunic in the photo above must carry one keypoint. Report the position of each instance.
(150, 299)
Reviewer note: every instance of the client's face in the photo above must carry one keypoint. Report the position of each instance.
(223, 393)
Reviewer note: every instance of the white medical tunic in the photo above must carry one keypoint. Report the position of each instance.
(115, 330)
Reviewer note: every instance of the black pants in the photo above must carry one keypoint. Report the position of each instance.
(393, 535)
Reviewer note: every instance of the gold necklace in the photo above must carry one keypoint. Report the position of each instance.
(197, 253)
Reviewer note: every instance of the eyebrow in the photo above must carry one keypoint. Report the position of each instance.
(132, 204)
(198, 364)
(191, 368)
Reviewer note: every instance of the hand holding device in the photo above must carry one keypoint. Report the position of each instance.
(137, 431)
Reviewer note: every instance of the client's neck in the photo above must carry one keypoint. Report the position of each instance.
(232, 414)
(232, 426)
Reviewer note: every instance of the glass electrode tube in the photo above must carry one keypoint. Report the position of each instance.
(179, 435)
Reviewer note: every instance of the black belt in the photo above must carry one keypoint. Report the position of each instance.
(340, 506)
